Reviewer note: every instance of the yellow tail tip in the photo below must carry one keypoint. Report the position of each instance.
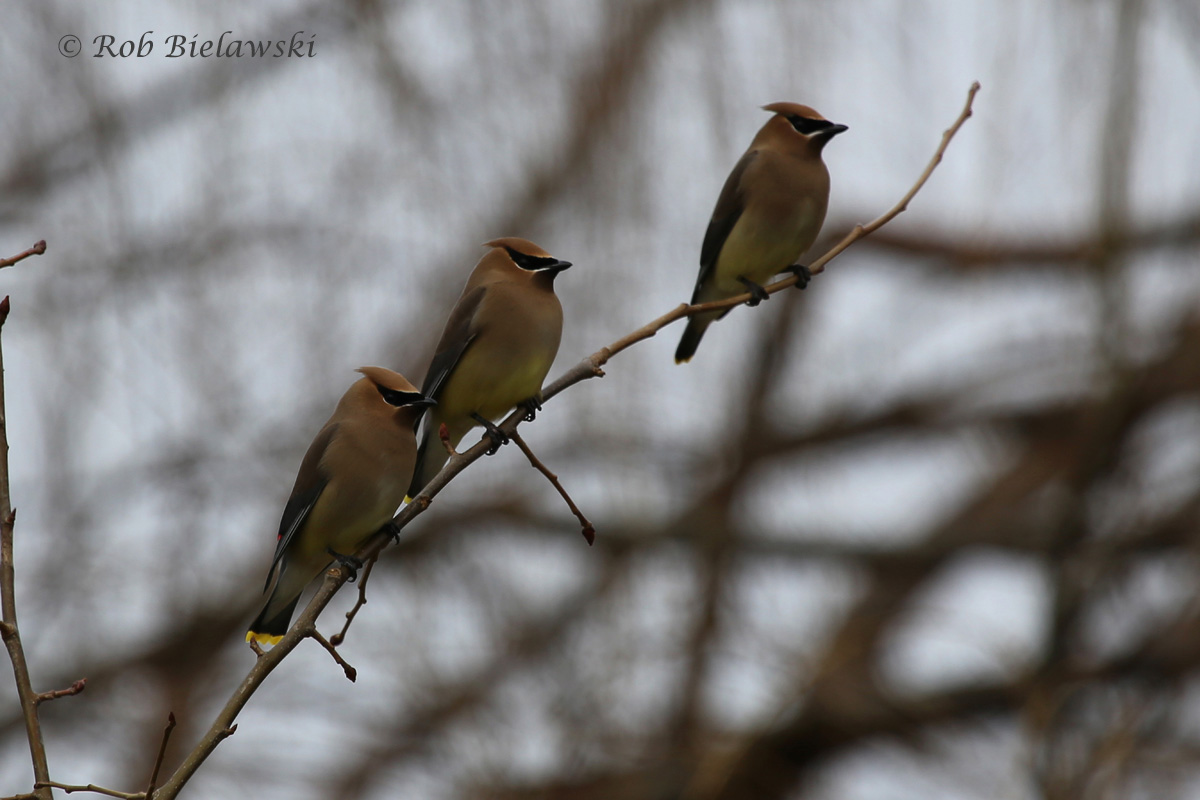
(407, 499)
(262, 638)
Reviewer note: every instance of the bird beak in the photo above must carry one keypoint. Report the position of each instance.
(555, 268)
(834, 130)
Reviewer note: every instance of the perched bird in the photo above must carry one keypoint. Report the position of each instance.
(495, 350)
(351, 481)
(769, 212)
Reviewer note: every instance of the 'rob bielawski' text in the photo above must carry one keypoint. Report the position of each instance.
(224, 46)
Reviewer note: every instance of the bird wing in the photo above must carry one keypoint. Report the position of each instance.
(310, 482)
(730, 205)
(457, 336)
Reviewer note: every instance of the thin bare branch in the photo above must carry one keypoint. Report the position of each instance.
(75, 688)
(864, 230)
(444, 436)
(36, 250)
(589, 530)
(339, 637)
(9, 630)
(162, 751)
(91, 787)
(351, 672)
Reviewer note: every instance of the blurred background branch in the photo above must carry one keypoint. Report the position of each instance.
(927, 529)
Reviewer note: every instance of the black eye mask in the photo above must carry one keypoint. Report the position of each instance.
(401, 399)
(807, 125)
(536, 263)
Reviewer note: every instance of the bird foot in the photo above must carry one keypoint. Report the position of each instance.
(498, 437)
(803, 275)
(531, 406)
(350, 563)
(757, 293)
(392, 530)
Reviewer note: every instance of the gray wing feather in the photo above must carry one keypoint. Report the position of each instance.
(729, 208)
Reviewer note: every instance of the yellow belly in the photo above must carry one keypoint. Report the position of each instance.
(490, 386)
(758, 249)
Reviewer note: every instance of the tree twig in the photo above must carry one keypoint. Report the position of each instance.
(315, 635)
(340, 636)
(8, 605)
(91, 787)
(589, 530)
(75, 688)
(162, 751)
(36, 250)
(444, 435)
(589, 367)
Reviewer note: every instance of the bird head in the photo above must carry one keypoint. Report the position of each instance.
(395, 389)
(804, 121)
(528, 257)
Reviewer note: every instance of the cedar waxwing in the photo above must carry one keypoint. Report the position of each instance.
(495, 350)
(769, 212)
(351, 481)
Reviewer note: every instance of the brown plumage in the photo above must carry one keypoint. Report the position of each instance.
(768, 213)
(351, 481)
(496, 348)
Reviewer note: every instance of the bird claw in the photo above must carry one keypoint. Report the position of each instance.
(757, 293)
(498, 437)
(351, 564)
(531, 406)
(392, 530)
(803, 275)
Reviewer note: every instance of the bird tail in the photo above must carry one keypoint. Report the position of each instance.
(690, 340)
(428, 464)
(273, 621)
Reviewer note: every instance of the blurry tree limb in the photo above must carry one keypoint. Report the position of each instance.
(531, 640)
(1079, 251)
(8, 621)
(772, 761)
(590, 367)
(717, 537)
